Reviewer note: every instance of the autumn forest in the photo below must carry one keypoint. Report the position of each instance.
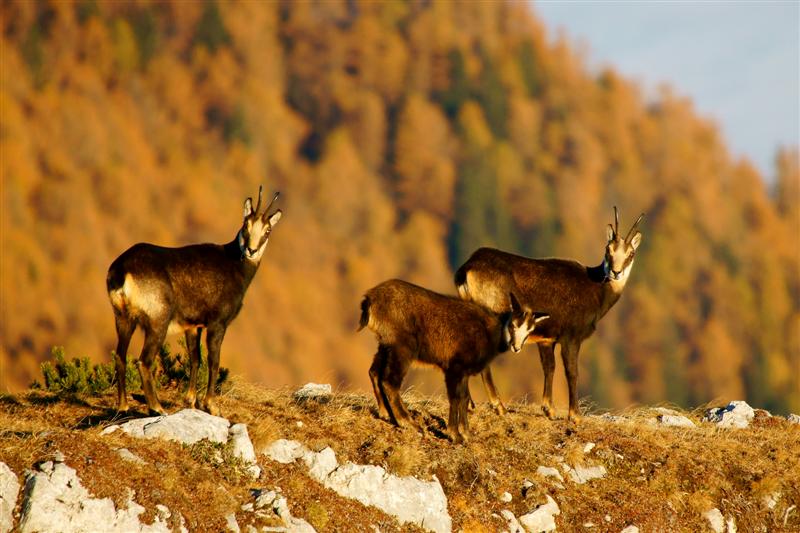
(402, 135)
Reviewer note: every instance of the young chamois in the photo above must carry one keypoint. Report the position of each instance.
(575, 296)
(413, 324)
(184, 289)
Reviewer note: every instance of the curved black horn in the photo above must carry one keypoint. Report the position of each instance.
(258, 205)
(266, 211)
(616, 221)
(633, 228)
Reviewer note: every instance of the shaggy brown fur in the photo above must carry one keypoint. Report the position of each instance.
(413, 324)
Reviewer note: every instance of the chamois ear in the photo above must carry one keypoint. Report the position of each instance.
(516, 308)
(538, 317)
(248, 207)
(636, 240)
(610, 233)
(276, 216)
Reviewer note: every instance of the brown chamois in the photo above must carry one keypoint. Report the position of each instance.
(413, 324)
(575, 296)
(184, 289)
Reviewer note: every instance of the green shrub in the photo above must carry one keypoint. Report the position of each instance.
(80, 376)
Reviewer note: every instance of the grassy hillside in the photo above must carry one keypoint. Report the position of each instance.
(403, 135)
(658, 478)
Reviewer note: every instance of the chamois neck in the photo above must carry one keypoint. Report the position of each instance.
(248, 268)
(504, 343)
(611, 289)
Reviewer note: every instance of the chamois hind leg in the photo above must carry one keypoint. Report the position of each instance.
(457, 394)
(153, 340)
(569, 355)
(491, 391)
(398, 361)
(193, 350)
(214, 336)
(125, 329)
(548, 358)
(375, 373)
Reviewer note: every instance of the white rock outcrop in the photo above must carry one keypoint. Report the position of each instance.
(408, 499)
(9, 490)
(717, 522)
(736, 414)
(242, 447)
(793, 418)
(186, 426)
(512, 524)
(549, 471)
(129, 456)
(542, 518)
(54, 500)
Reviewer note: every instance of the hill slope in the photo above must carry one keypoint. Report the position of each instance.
(657, 478)
(403, 135)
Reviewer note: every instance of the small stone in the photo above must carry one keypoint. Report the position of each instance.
(129, 456)
(771, 500)
(541, 519)
(231, 523)
(630, 529)
(299, 423)
(675, 421)
(506, 497)
(588, 525)
(285, 451)
(715, 519)
(589, 447)
(248, 507)
(321, 464)
(548, 471)
(793, 418)
(582, 474)
(607, 518)
(512, 524)
(313, 391)
(58, 457)
(265, 499)
(163, 512)
(736, 414)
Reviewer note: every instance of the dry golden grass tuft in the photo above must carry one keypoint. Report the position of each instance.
(658, 478)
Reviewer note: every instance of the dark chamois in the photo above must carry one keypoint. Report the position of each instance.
(575, 296)
(413, 324)
(185, 289)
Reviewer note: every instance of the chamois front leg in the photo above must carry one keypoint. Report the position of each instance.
(193, 351)
(548, 358)
(458, 395)
(125, 329)
(491, 391)
(569, 356)
(214, 338)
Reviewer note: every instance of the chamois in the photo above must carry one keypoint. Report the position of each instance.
(575, 296)
(413, 324)
(186, 289)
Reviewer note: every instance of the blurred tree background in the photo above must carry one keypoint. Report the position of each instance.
(403, 134)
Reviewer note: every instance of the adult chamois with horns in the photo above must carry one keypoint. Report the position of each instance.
(413, 324)
(575, 296)
(188, 289)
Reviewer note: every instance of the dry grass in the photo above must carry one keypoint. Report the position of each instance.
(658, 478)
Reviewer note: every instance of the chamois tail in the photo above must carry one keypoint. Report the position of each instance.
(362, 323)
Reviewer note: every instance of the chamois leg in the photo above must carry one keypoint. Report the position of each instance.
(214, 338)
(569, 355)
(375, 373)
(193, 350)
(153, 340)
(398, 361)
(457, 394)
(548, 358)
(491, 391)
(125, 328)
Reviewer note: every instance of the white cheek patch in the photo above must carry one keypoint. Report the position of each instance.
(619, 284)
(256, 231)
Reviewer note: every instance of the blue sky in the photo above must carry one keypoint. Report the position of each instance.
(738, 61)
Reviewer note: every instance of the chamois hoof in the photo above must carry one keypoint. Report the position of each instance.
(548, 412)
(156, 412)
(211, 409)
(500, 409)
(574, 417)
(190, 402)
(471, 406)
